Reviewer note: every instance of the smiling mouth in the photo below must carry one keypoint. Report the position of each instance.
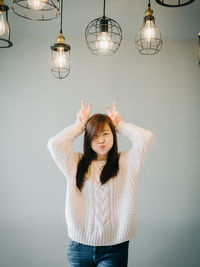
(101, 147)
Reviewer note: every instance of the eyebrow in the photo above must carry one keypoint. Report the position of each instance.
(105, 130)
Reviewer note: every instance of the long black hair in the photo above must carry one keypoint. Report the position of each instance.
(96, 123)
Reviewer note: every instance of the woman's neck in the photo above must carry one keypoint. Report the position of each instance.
(102, 157)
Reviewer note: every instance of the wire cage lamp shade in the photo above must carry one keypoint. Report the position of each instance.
(4, 26)
(60, 54)
(149, 39)
(60, 60)
(38, 10)
(174, 3)
(103, 35)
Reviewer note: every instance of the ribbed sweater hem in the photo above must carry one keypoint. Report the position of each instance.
(101, 238)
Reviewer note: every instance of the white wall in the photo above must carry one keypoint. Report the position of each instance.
(160, 93)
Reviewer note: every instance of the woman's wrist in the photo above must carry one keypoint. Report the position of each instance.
(80, 124)
(119, 125)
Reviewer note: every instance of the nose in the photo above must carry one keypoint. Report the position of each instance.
(100, 140)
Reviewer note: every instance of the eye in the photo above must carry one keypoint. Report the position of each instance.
(106, 133)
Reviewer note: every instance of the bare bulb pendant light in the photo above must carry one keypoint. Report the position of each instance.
(103, 35)
(60, 54)
(174, 3)
(38, 10)
(149, 39)
(4, 26)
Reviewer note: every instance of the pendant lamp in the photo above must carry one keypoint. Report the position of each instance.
(4, 26)
(149, 39)
(103, 35)
(174, 3)
(38, 10)
(60, 54)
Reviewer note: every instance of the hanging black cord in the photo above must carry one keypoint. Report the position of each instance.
(61, 7)
(104, 4)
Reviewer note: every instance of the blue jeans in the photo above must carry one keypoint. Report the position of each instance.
(80, 255)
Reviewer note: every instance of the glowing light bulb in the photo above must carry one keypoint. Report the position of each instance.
(2, 25)
(37, 4)
(104, 42)
(60, 59)
(149, 31)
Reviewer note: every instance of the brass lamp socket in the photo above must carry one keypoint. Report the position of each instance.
(149, 12)
(148, 15)
(61, 39)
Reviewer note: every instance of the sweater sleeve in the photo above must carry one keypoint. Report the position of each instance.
(142, 141)
(60, 147)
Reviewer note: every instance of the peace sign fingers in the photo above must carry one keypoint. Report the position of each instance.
(114, 109)
(83, 107)
(84, 113)
(114, 115)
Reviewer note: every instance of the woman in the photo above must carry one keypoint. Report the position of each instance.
(102, 186)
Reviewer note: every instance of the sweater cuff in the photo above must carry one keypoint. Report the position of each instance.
(80, 126)
(120, 127)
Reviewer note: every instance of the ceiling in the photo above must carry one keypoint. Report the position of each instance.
(174, 23)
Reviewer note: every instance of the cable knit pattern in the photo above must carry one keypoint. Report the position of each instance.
(102, 210)
(106, 214)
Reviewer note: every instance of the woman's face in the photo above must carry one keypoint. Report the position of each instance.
(102, 142)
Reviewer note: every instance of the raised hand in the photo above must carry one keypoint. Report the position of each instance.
(84, 114)
(114, 115)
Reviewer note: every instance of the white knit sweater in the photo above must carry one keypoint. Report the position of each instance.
(107, 214)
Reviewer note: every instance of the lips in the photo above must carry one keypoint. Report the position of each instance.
(101, 147)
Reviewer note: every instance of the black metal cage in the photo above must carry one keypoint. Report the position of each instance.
(149, 39)
(103, 36)
(5, 35)
(174, 3)
(48, 10)
(60, 60)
